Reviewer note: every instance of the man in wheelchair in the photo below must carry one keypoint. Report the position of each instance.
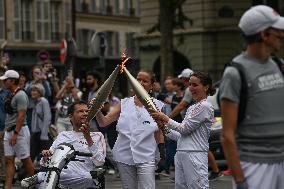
(78, 173)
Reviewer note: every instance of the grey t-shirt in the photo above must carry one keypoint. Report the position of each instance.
(260, 135)
(19, 102)
(187, 96)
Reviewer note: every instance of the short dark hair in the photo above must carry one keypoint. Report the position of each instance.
(205, 79)
(255, 38)
(151, 74)
(96, 75)
(47, 61)
(179, 83)
(71, 108)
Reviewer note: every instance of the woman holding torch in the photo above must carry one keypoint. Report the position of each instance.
(191, 159)
(135, 150)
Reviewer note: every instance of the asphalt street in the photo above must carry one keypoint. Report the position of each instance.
(112, 182)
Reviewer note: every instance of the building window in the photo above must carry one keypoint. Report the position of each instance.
(117, 7)
(102, 7)
(93, 6)
(127, 7)
(23, 20)
(131, 46)
(27, 24)
(138, 8)
(17, 32)
(78, 5)
(67, 18)
(55, 24)
(2, 20)
(43, 20)
(113, 47)
(83, 41)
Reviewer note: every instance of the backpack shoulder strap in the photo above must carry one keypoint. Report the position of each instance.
(243, 91)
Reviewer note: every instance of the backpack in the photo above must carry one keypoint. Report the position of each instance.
(243, 90)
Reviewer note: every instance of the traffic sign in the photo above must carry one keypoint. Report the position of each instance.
(63, 51)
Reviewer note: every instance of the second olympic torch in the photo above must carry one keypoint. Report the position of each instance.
(103, 92)
(140, 92)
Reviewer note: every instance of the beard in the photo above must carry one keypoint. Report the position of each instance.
(90, 85)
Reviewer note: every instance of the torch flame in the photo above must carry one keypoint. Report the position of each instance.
(124, 59)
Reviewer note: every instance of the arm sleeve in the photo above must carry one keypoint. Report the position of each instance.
(173, 135)
(192, 121)
(230, 86)
(98, 149)
(22, 101)
(46, 119)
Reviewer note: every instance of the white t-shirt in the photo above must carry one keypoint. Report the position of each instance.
(135, 142)
(77, 174)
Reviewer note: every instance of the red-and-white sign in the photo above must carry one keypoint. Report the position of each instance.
(63, 51)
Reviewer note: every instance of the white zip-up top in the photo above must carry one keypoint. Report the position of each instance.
(78, 141)
(194, 131)
(135, 142)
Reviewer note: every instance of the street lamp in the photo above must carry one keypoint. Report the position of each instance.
(99, 45)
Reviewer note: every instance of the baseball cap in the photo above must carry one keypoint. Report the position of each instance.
(185, 73)
(10, 74)
(259, 18)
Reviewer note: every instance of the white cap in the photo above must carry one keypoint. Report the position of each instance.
(10, 74)
(259, 18)
(186, 73)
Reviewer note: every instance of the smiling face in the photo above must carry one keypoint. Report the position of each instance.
(145, 80)
(197, 89)
(35, 94)
(79, 116)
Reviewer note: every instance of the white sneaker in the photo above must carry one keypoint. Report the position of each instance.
(29, 182)
(111, 172)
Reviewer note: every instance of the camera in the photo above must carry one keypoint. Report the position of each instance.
(50, 73)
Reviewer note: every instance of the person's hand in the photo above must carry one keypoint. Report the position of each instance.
(46, 154)
(160, 117)
(13, 139)
(69, 81)
(85, 129)
(161, 125)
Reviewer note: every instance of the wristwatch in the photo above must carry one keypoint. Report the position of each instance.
(242, 185)
(16, 132)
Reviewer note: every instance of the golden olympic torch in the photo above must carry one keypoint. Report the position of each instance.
(103, 92)
(140, 92)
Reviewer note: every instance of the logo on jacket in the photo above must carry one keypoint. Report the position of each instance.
(145, 122)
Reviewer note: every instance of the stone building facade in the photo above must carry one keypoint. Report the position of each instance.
(209, 43)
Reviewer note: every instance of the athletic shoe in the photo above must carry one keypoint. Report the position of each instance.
(227, 172)
(111, 171)
(165, 173)
(29, 182)
(214, 175)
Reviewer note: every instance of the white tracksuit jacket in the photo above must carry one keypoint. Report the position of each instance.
(192, 145)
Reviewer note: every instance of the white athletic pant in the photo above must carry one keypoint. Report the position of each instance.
(139, 176)
(263, 176)
(72, 180)
(191, 170)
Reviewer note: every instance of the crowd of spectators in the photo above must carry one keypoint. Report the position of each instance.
(49, 99)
